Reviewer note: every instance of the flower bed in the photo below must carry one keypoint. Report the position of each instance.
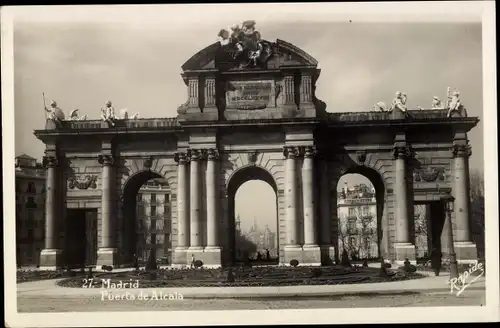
(271, 276)
(35, 275)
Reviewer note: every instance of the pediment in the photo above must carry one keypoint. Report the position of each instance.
(217, 56)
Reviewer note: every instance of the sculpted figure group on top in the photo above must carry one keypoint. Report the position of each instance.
(108, 115)
(245, 44)
(453, 104)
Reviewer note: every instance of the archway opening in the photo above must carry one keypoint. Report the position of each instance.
(253, 217)
(147, 220)
(360, 207)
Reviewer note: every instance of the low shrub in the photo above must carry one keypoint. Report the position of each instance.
(294, 262)
(198, 263)
(316, 272)
(387, 265)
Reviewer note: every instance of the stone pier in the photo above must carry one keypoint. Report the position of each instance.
(51, 255)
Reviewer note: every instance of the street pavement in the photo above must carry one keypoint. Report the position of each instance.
(46, 296)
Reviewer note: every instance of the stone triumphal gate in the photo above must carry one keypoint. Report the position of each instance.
(253, 115)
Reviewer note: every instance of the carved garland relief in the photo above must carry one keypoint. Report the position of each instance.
(429, 174)
(89, 181)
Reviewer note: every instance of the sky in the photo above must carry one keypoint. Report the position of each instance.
(133, 56)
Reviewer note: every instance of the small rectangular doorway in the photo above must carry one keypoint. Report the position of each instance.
(81, 237)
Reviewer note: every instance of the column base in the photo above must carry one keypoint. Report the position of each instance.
(51, 259)
(107, 256)
(466, 252)
(327, 255)
(405, 251)
(309, 255)
(179, 257)
(210, 256)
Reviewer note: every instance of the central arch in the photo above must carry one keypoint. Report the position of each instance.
(245, 174)
(380, 198)
(136, 199)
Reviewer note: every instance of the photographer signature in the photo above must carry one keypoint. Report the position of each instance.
(462, 282)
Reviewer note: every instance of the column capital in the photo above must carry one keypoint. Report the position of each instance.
(180, 158)
(105, 159)
(461, 151)
(195, 154)
(212, 154)
(50, 161)
(402, 152)
(291, 152)
(309, 151)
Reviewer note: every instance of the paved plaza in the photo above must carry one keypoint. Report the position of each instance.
(45, 296)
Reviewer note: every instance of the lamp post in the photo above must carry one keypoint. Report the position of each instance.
(449, 202)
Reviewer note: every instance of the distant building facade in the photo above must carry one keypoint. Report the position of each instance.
(357, 213)
(30, 210)
(154, 218)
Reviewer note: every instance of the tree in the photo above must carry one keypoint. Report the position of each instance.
(357, 232)
(421, 228)
(477, 210)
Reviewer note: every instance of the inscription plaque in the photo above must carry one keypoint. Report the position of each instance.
(250, 95)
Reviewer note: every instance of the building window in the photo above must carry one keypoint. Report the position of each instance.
(351, 226)
(166, 211)
(153, 199)
(352, 211)
(153, 211)
(31, 188)
(366, 210)
(167, 198)
(31, 203)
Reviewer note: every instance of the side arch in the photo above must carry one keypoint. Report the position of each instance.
(370, 168)
(235, 181)
(130, 223)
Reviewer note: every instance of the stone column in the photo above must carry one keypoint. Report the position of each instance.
(106, 254)
(195, 201)
(292, 248)
(312, 252)
(310, 233)
(213, 251)
(464, 247)
(403, 246)
(182, 201)
(50, 256)
(212, 194)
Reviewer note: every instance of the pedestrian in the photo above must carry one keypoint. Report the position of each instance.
(192, 261)
(436, 257)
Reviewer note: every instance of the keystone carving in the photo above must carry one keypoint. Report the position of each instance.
(252, 157)
(148, 163)
(361, 155)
